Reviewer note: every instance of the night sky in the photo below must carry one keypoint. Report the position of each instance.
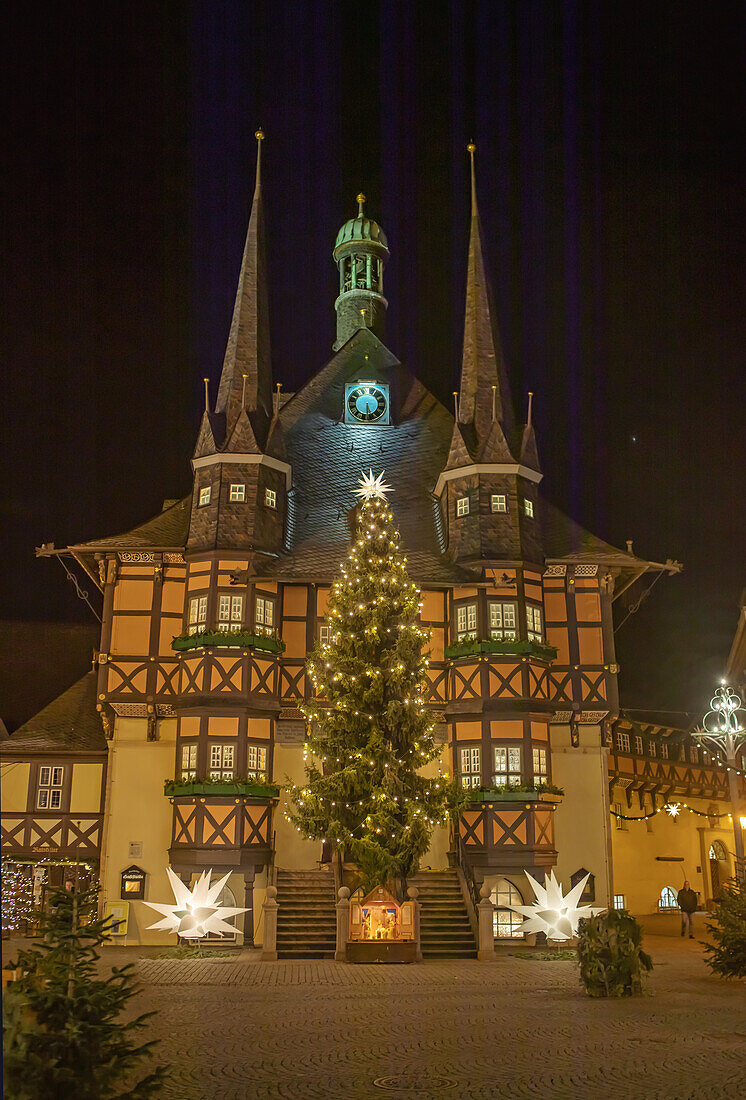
(612, 191)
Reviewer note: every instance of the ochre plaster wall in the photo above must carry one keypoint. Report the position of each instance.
(293, 851)
(85, 793)
(14, 777)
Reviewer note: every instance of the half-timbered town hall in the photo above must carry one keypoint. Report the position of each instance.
(176, 749)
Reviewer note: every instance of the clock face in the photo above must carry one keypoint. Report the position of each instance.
(367, 403)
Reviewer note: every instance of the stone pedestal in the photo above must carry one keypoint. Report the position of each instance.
(269, 949)
(485, 918)
(343, 923)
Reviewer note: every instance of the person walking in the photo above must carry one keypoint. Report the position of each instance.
(686, 899)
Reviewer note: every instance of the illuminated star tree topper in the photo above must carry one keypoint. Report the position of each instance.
(554, 913)
(372, 488)
(196, 913)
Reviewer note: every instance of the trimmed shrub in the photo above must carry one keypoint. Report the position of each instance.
(612, 961)
(728, 929)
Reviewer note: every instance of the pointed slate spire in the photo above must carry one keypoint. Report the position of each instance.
(529, 451)
(484, 382)
(246, 378)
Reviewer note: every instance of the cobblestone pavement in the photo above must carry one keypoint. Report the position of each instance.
(308, 1030)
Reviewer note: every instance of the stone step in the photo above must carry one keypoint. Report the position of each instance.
(302, 954)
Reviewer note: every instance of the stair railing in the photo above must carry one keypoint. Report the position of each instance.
(469, 888)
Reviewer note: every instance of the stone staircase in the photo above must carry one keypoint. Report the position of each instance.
(306, 917)
(445, 931)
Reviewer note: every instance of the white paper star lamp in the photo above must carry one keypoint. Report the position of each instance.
(673, 809)
(553, 913)
(372, 488)
(195, 913)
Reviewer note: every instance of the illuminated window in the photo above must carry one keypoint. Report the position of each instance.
(462, 506)
(620, 901)
(667, 899)
(49, 794)
(664, 750)
(622, 742)
(638, 744)
(620, 822)
(693, 755)
(503, 622)
(652, 748)
(264, 615)
(507, 765)
(257, 763)
(507, 925)
(230, 612)
(540, 762)
(529, 506)
(466, 622)
(204, 495)
(325, 635)
(499, 502)
(533, 623)
(270, 498)
(471, 767)
(222, 761)
(189, 761)
(238, 492)
(197, 614)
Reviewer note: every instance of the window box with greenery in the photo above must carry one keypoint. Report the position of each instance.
(472, 648)
(249, 788)
(520, 792)
(246, 639)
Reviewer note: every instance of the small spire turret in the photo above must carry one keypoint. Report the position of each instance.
(360, 252)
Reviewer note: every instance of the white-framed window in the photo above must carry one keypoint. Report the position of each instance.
(189, 760)
(503, 626)
(667, 900)
(49, 792)
(256, 760)
(507, 761)
(264, 615)
(499, 502)
(638, 744)
(664, 750)
(622, 742)
(230, 611)
(529, 507)
(693, 754)
(204, 495)
(197, 614)
(325, 634)
(533, 623)
(471, 766)
(462, 506)
(270, 498)
(620, 822)
(506, 924)
(222, 760)
(652, 748)
(540, 762)
(237, 491)
(620, 901)
(466, 622)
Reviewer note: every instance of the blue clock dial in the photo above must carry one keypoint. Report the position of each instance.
(367, 403)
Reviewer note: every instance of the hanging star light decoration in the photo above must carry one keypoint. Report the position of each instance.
(196, 913)
(555, 914)
(673, 809)
(372, 488)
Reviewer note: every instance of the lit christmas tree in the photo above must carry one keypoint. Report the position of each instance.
(369, 732)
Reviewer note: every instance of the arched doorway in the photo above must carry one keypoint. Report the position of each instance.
(507, 924)
(719, 873)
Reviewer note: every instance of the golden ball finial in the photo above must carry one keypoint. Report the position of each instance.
(259, 135)
(361, 197)
(471, 147)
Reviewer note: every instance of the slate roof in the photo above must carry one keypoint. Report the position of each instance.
(70, 723)
(166, 531)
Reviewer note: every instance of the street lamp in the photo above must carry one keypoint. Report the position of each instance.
(723, 726)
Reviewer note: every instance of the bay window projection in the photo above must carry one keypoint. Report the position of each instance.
(49, 793)
(264, 615)
(507, 765)
(533, 623)
(197, 614)
(540, 763)
(257, 763)
(222, 761)
(466, 622)
(230, 612)
(503, 622)
(471, 767)
(189, 761)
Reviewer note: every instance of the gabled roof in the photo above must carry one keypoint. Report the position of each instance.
(70, 723)
(166, 531)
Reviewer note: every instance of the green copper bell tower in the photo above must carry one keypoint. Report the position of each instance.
(360, 253)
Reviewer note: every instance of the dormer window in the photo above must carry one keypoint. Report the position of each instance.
(529, 507)
(270, 498)
(499, 502)
(462, 506)
(237, 492)
(204, 496)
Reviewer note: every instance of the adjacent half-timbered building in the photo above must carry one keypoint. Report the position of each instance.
(211, 607)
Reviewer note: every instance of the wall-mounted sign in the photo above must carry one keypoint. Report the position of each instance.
(119, 912)
(133, 883)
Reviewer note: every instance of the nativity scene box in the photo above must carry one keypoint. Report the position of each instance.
(381, 929)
